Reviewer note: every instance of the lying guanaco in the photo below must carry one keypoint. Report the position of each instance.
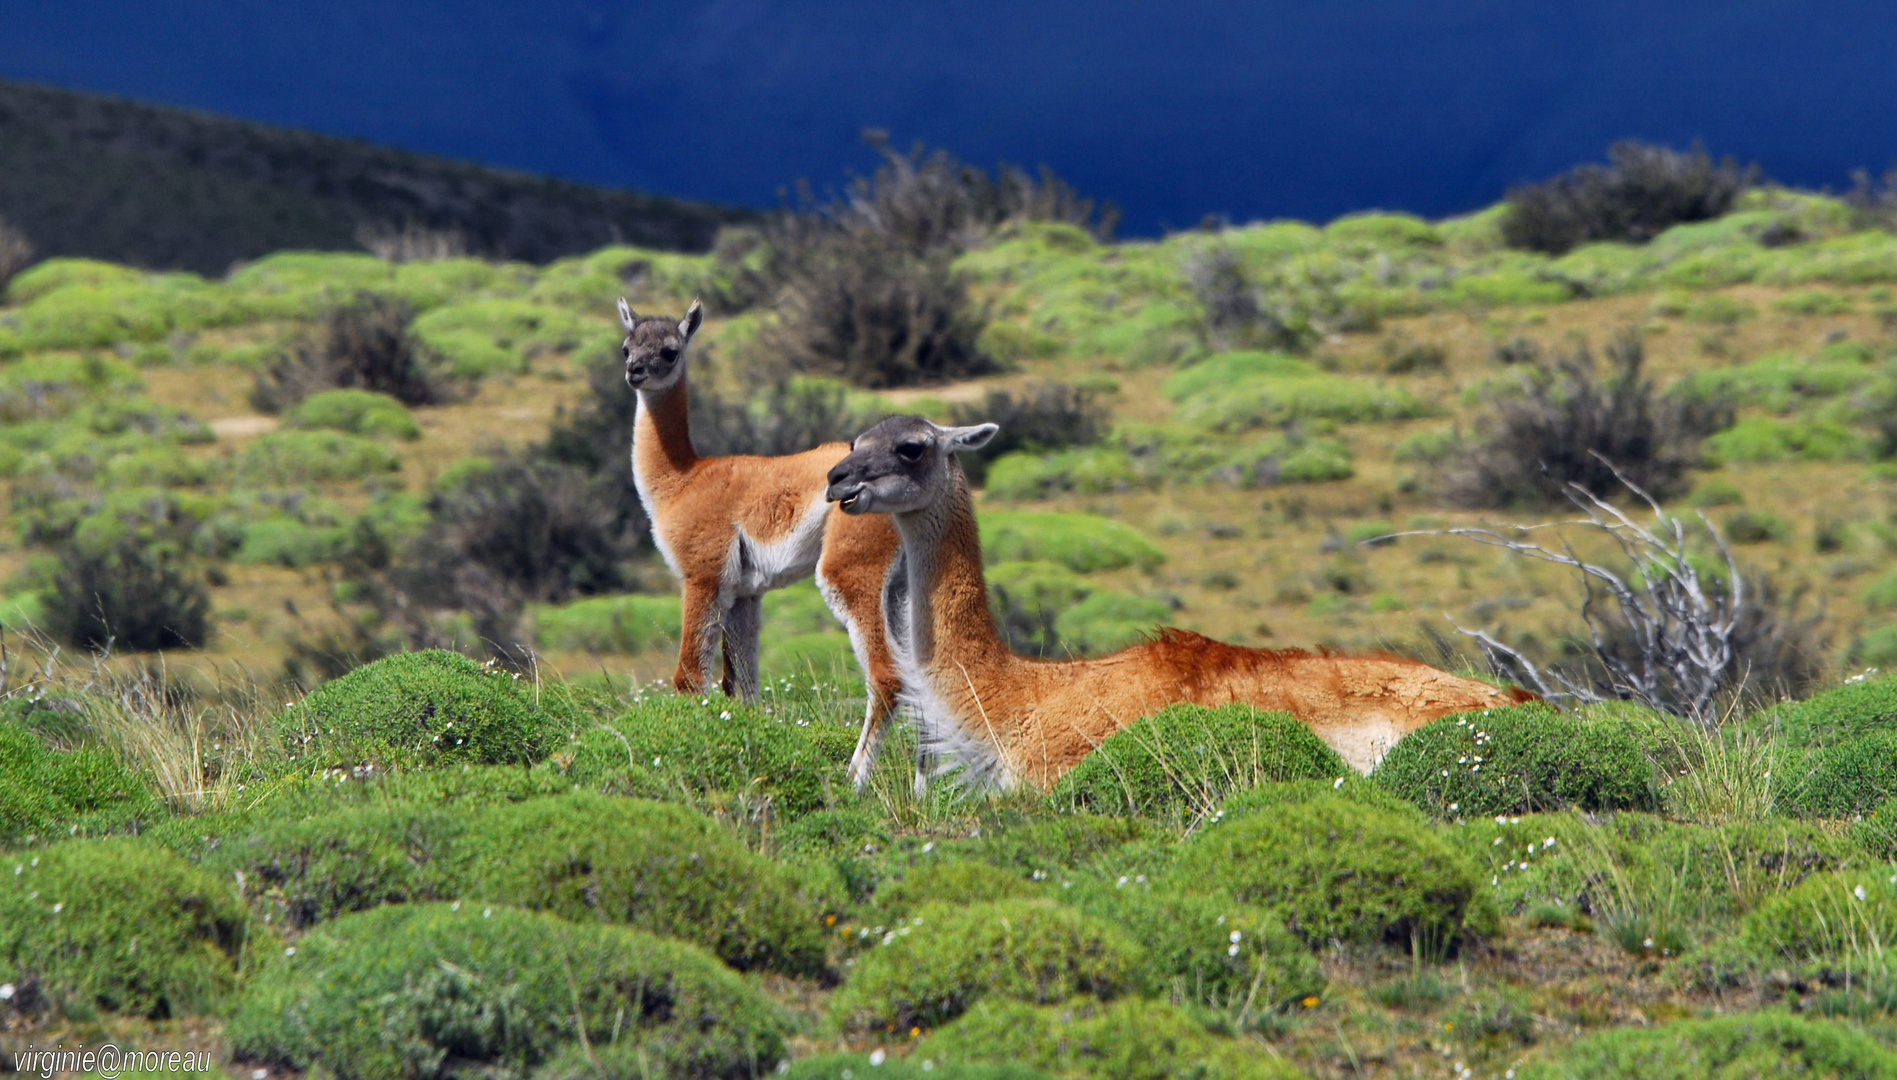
(1008, 719)
(733, 528)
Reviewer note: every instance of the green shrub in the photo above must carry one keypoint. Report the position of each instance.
(483, 337)
(285, 541)
(653, 865)
(1220, 370)
(1877, 646)
(1266, 798)
(1709, 493)
(1334, 869)
(126, 594)
(121, 925)
(1266, 401)
(1073, 839)
(1083, 543)
(1281, 458)
(418, 709)
(1092, 470)
(608, 624)
(1813, 302)
(943, 959)
(914, 1067)
(309, 870)
(1756, 527)
(1848, 777)
(952, 881)
(1764, 438)
(1881, 593)
(358, 412)
(710, 751)
(1129, 1039)
(45, 791)
(1860, 706)
(1755, 1044)
(1028, 597)
(1107, 621)
(396, 992)
(1877, 832)
(1835, 915)
(304, 457)
(1186, 760)
(1517, 759)
(1202, 948)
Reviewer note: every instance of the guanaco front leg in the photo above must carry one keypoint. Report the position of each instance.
(700, 631)
(742, 622)
(850, 576)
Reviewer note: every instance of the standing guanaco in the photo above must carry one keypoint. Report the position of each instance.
(733, 528)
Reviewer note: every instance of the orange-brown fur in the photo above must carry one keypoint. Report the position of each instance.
(701, 507)
(1015, 719)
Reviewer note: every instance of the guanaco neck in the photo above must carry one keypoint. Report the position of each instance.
(949, 620)
(662, 452)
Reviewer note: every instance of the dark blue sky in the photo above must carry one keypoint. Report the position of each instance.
(1173, 110)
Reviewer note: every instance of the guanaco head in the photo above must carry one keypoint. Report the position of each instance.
(655, 346)
(901, 464)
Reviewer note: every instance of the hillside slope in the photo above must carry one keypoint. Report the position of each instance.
(169, 188)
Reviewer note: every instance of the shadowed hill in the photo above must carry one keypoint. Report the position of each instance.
(163, 187)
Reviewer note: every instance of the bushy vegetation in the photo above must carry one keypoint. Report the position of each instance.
(364, 344)
(419, 709)
(1337, 869)
(1642, 192)
(500, 987)
(1182, 762)
(942, 959)
(130, 596)
(1518, 760)
(44, 791)
(120, 925)
(1043, 417)
(358, 412)
(1130, 1038)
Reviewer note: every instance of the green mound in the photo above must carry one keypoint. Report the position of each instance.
(303, 457)
(1723, 1048)
(608, 624)
(1267, 798)
(397, 992)
(1107, 621)
(1877, 833)
(947, 880)
(121, 925)
(358, 412)
(1202, 947)
(1184, 761)
(308, 870)
(45, 792)
(1073, 839)
(1129, 1039)
(940, 960)
(710, 749)
(1858, 707)
(1516, 760)
(1832, 915)
(659, 867)
(1334, 869)
(1847, 778)
(420, 709)
(913, 1067)
(1083, 543)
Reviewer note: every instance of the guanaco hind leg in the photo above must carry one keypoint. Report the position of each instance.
(742, 623)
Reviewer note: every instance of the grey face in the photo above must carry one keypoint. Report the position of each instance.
(654, 348)
(900, 464)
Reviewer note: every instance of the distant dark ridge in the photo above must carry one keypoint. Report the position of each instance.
(163, 187)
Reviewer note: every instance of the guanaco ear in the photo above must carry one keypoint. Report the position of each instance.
(626, 318)
(693, 316)
(969, 438)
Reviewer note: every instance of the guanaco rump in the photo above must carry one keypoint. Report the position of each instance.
(1008, 719)
(733, 528)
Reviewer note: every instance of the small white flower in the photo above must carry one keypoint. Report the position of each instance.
(1237, 937)
(1475, 768)
(1445, 772)
(1463, 760)
(1335, 784)
(726, 715)
(61, 906)
(1858, 892)
(928, 847)
(1498, 842)
(876, 1056)
(1121, 882)
(1233, 951)
(928, 1065)
(259, 1074)
(6, 991)
(291, 951)
(1454, 806)
(487, 913)
(456, 906)
(1548, 842)
(1647, 944)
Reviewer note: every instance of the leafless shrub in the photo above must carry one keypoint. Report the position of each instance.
(786, 417)
(1667, 629)
(16, 251)
(1564, 426)
(1641, 192)
(1042, 416)
(1516, 350)
(131, 596)
(361, 344)
(412, 242)
(1234, 314)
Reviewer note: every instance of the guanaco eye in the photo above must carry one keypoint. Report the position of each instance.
(626, 351)
(669, 353)
(910, 451)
